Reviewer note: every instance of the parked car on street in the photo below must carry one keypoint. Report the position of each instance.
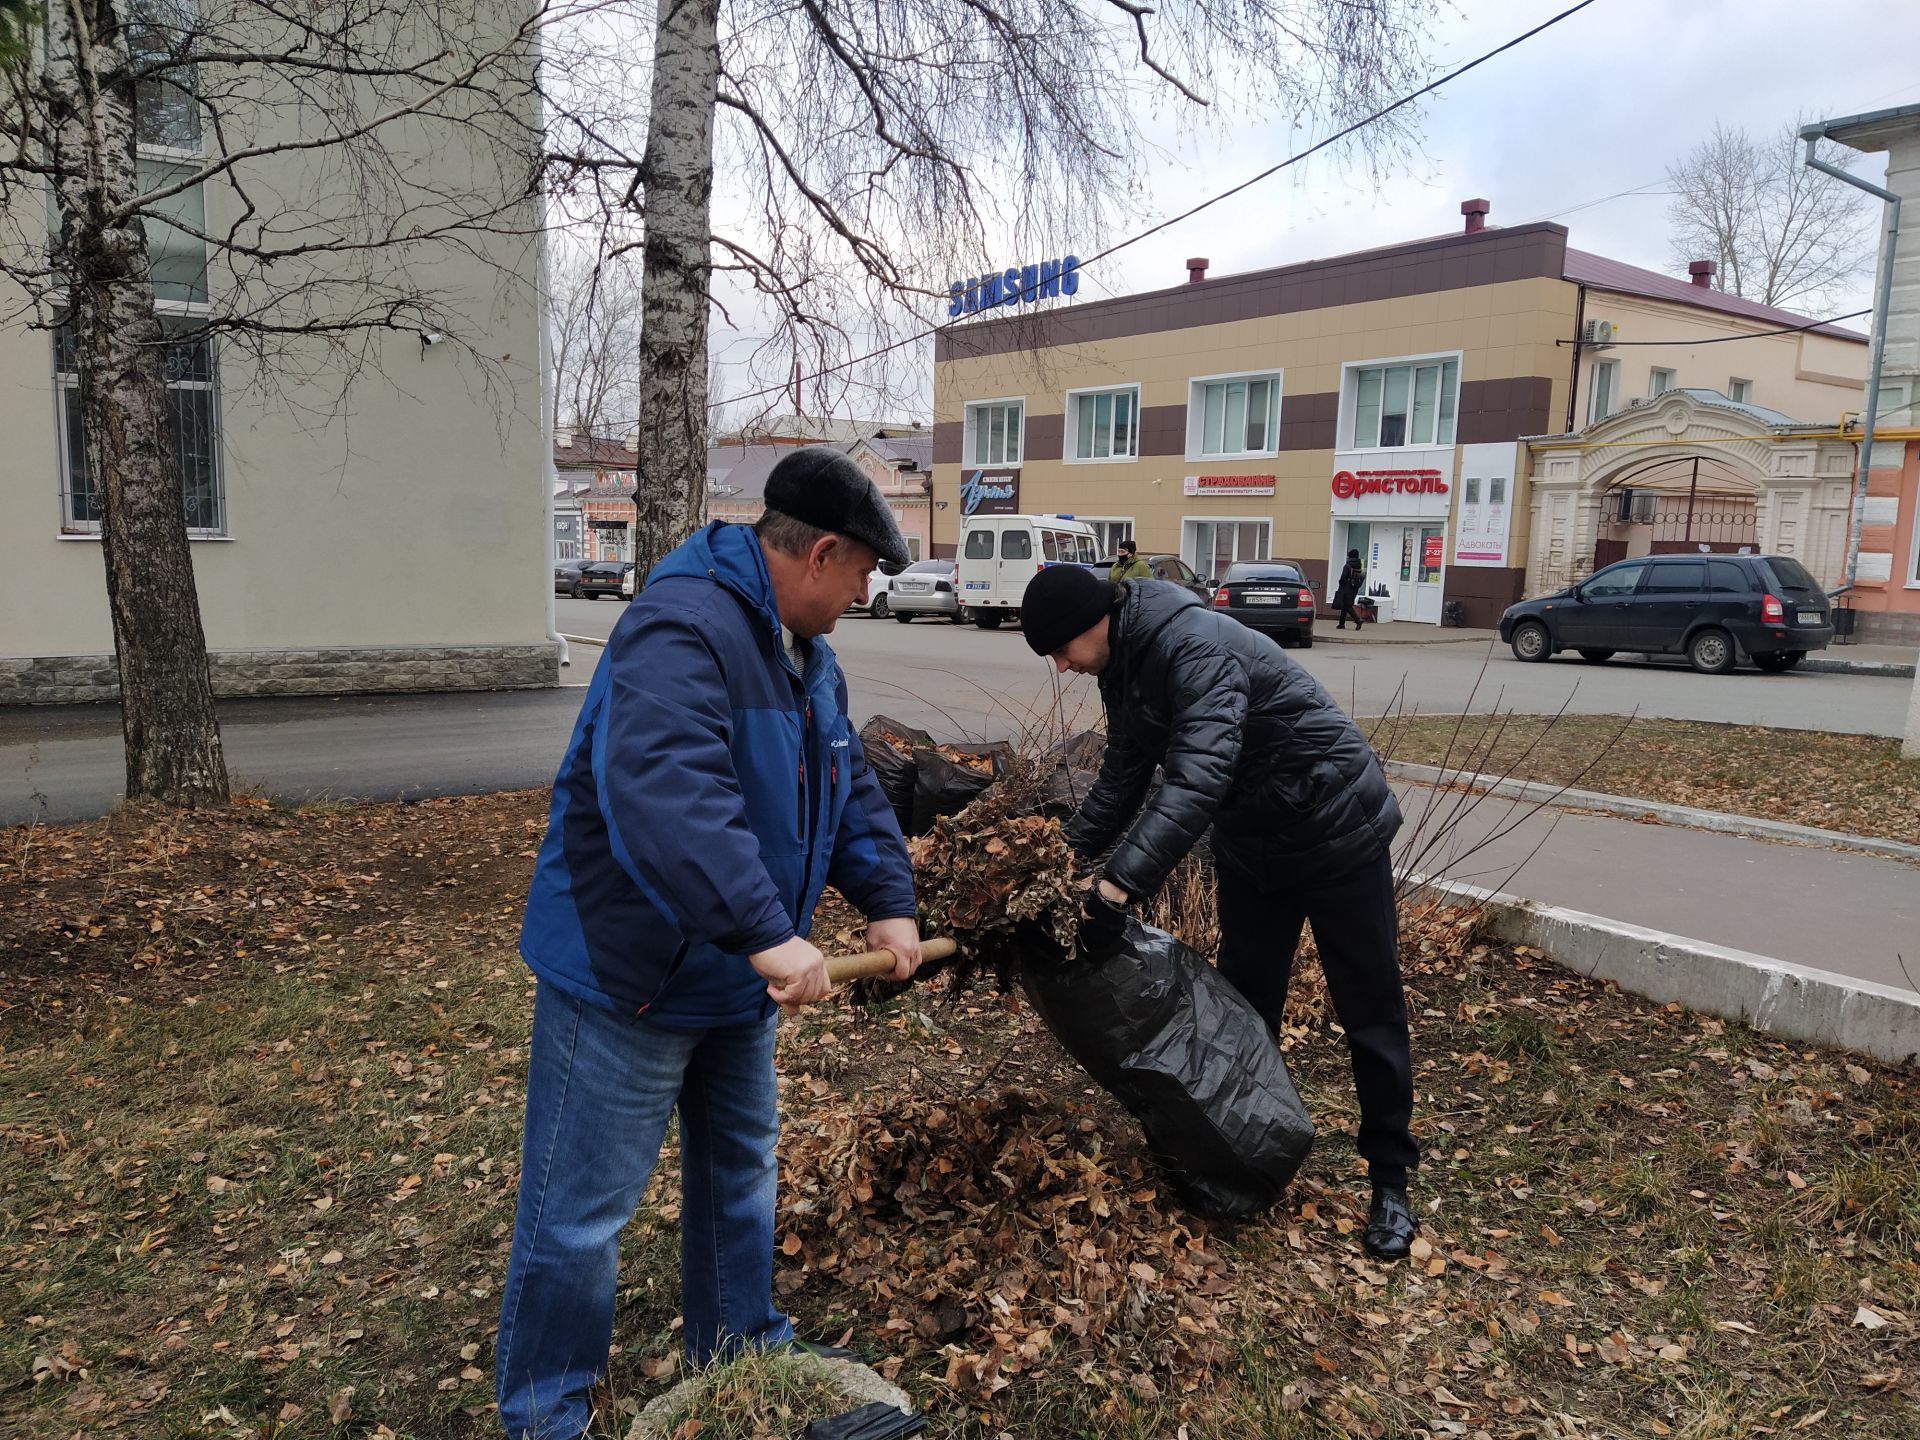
(879, 583)
(593, 578)
(565, 573)
(926, 589)
(1271, 596)
(1175, 571)
(1714, 609)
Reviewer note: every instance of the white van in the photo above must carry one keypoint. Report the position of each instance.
(999, 554)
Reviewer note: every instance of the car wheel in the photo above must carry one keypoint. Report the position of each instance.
(577, 593)
(1711, 652)
(1780, 661)
(1596, 657)
(904, 619)
(961, 617)
(989, 619)
(1306, 642)
(1531, 642)
(878, 609)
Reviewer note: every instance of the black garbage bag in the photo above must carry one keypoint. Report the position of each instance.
(1171, 1040)
(1067, 773)
(892, 766)
(946, 786)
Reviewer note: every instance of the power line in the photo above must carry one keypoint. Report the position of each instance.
(1721, 339)
(1188, 214)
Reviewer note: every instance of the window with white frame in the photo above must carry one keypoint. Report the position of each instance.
(1109, 531)
(1233, 415)
(1658, 383)
(1414, 402)
(993, 432)
(1740, 390)
(1103, 424)
(1210, 546)
(1602, 388)
(193, 411)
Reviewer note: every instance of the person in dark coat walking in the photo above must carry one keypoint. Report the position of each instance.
(1352, 578)
(1249, 744)
(713, 787)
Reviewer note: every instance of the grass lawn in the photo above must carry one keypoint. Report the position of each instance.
(1857, 783)
(263, 1072)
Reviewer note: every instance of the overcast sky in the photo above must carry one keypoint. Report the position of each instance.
(1601, 103)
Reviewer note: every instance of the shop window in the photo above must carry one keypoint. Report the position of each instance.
(1601, 389)
(993, 432)
(1658, 383)
(1414, 403)
(1210, 546)
(1108, 532)
(1233, 415)
(1103, 424)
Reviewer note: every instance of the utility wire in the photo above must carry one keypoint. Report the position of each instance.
(1718, 339)
(1188, 214)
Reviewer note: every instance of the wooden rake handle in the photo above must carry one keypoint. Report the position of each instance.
(842, 968)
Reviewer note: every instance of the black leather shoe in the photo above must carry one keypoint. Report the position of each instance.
(1390, 1224)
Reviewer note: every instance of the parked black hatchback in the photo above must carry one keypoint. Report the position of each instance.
(1711, 608)
(1271, 596)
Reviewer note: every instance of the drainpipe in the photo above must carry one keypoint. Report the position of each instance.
(546, 445)
(1573, 380)
(1883, 295)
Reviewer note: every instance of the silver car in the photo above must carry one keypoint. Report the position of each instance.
(925, 588)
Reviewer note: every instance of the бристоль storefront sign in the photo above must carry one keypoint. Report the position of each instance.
(1015, 285)
(1409, 484)
(1229, 484)
(990, 492)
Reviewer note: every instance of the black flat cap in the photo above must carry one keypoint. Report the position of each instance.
(822, 487)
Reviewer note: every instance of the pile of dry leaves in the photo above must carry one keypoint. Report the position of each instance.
(993, 1229)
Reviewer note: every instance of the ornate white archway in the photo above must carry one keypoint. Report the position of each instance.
(1798, 477)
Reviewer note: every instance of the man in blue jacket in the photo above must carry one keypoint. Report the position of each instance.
(712, 788)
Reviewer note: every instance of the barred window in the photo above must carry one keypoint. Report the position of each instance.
(193, 410)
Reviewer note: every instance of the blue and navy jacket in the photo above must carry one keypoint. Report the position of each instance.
(709, 793)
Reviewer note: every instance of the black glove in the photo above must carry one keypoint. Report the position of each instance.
(874, 1421)
(1102, 924)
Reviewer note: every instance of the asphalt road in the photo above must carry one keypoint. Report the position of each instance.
(65, 763)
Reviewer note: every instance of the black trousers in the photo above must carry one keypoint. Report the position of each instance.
(1347, 613)
(1357, 930)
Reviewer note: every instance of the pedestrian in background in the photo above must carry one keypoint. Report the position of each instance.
(1352, 578)
(1129, 565)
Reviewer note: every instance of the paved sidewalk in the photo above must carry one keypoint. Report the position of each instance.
(1852, 914)
(1895, 660)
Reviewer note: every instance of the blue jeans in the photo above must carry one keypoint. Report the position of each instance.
(599, 1090)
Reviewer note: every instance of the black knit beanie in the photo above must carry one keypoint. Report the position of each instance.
(1061, 602)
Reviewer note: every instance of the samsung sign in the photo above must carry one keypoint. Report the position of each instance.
(1015, 285)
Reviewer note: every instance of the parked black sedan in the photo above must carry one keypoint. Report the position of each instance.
(590, 579)
(1271, 596)
(1711, 608)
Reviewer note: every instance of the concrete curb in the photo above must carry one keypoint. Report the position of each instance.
(1718, 820)
(1322, 636)
(1833, 665)
(1792, 1001)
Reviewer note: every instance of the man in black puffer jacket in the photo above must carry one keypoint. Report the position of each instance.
(1249, 744)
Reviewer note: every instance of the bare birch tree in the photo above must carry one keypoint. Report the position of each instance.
(283, 167)
(1781, 233)
(867, 152)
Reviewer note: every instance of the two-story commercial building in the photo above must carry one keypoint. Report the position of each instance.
(1382, 402)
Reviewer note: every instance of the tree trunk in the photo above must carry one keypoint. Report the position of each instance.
(172, 737)
(677, 171)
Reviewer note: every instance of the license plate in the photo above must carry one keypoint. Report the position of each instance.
(1267, 599)
(1811, 617)
(915, 588)
(979, 584)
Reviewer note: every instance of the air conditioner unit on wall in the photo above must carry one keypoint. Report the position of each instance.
(1598, 334)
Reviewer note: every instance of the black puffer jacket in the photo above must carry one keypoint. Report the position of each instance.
(1249, 742)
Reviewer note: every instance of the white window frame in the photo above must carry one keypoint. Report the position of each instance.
(1896, 413)
(971, 461)
(1611, 369)
(1102, 531)
(66, 391)
(1197, 418)
(1070, 434)
(1654, 388)
(1190, 538)
(1734, 382)
(1350, 400)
